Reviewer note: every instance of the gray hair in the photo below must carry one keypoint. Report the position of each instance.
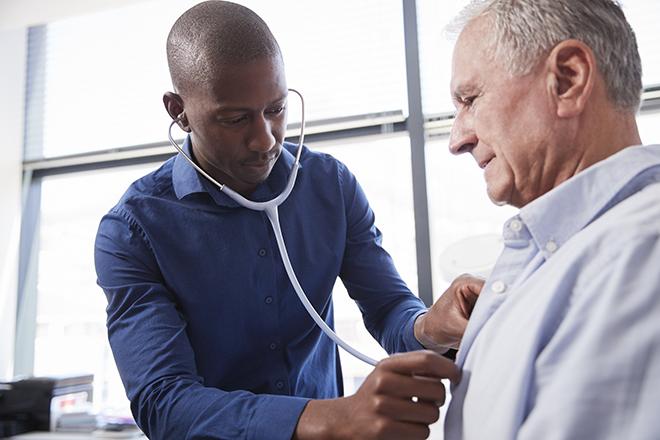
(525, 30)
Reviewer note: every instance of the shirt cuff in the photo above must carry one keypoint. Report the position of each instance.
(276, 417)
(409, 340)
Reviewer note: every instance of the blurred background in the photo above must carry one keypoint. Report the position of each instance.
(82, 117)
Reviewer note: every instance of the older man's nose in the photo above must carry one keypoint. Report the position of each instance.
(462, 138)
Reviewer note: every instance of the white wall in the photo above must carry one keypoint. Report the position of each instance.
(13, 45)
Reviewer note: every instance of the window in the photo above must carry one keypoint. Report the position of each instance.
(649, 129)
(435, 51)
(643, 17)
(96, 81)
(96, 84)
(71, 336)
(346, 57)
(380, 166)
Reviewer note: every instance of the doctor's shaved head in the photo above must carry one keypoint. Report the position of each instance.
(214, 35)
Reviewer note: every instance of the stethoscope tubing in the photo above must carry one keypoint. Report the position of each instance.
(270, 207)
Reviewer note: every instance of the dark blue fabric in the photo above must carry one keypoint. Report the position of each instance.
(210, 338)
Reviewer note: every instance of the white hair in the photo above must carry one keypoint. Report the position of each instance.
(525, 30)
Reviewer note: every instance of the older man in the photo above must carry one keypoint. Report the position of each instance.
(564, 342)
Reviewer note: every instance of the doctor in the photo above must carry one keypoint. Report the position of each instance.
(207, 332)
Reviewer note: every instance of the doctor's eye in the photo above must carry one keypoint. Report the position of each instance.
(234, 121)
(276, 110)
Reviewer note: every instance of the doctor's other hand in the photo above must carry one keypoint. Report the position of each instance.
(442, 327)
(398, 400)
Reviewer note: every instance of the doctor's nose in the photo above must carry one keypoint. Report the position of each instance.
(462, 138)
(261, 136)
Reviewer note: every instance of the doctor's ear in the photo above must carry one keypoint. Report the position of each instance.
(174, 106)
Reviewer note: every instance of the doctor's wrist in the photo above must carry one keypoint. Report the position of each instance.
(318, 421)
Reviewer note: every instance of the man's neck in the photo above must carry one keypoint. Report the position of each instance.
(609, 132)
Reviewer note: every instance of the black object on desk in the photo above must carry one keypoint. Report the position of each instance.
(29, 404)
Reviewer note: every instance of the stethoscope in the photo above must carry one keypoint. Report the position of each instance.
(270, 207)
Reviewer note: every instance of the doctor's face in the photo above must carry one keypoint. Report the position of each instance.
(505, 122)
(238, 122)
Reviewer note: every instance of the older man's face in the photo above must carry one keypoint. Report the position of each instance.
(505, 122)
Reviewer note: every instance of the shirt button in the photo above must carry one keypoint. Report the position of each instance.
(262, 252)
(272, 346)
(498, 286)
(279, 384)
(268, 300)
(515, 225)
(551, 246)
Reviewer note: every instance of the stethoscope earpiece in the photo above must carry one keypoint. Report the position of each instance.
(180, 120)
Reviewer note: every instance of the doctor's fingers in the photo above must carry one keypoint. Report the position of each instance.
(406, 410)
(425, 363)
(408, 387)
(384, 429)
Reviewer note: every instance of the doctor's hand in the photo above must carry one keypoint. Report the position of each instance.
(442, 327)
(398, 400)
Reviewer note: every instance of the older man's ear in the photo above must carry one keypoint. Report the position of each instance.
(571, 77)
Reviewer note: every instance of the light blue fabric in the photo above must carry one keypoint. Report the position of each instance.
(564, 342)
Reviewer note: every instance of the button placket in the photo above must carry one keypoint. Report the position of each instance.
(498, 286)
(515, 225)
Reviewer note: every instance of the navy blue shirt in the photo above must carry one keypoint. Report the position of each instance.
(209, 337)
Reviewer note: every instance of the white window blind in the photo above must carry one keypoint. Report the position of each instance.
(95, 82)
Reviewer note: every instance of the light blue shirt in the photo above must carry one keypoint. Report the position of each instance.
(564, 342)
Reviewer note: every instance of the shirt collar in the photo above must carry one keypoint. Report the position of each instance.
(187, 180)
(556, 216)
